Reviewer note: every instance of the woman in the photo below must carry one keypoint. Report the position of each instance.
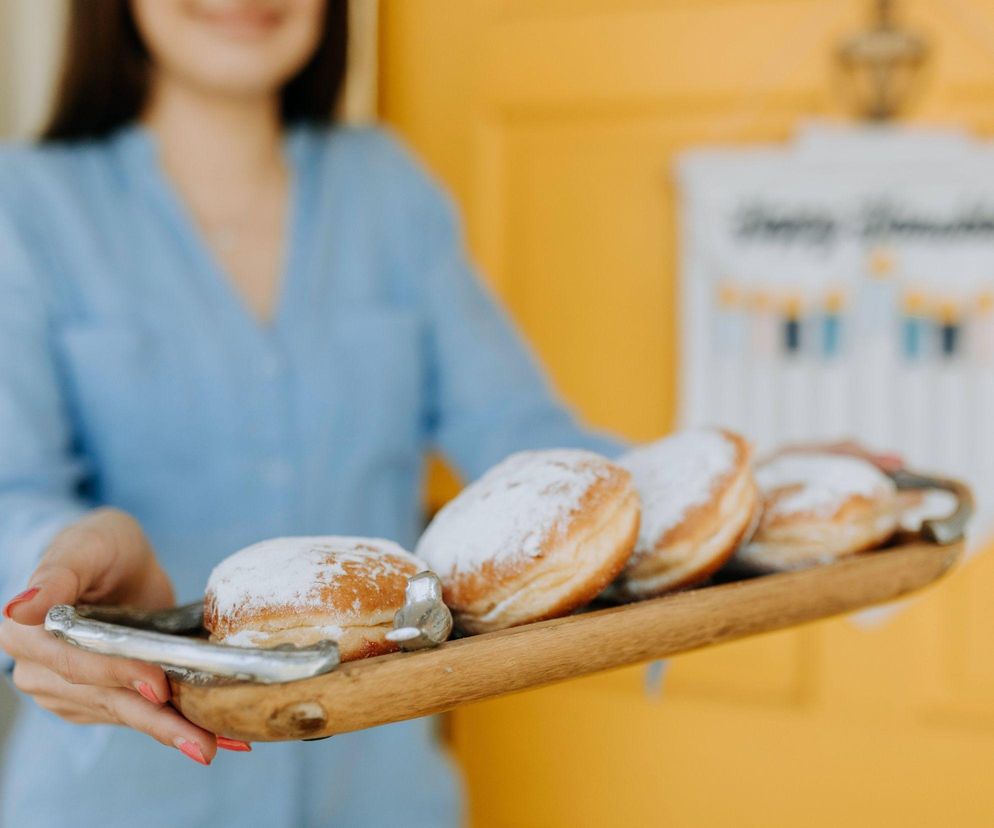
(223, 320)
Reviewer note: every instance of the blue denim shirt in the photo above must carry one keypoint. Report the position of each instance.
(132, 374)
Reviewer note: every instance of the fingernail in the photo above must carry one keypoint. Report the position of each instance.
(147, 692)
(20, 598)
(225, 743)
(191, 749)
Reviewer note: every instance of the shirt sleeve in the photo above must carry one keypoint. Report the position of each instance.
(39, 475)
(489, 395)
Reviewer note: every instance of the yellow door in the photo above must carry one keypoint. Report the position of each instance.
(555, 123)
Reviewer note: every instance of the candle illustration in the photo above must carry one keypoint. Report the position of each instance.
(949, 328)
(791, 325)
(727, 383)
(763, 386)
(950, 406)
(914, 325)
(982, 328)
(831, 324)
(831, 401)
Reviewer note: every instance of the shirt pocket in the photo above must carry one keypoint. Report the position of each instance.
(134, 400)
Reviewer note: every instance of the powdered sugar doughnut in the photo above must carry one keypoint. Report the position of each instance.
(537, 536)
(698, 501)
(818, 507)
(301, 590)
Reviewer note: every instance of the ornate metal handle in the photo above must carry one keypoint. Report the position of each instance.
(191, 659)
(424, 620)
(944, 530)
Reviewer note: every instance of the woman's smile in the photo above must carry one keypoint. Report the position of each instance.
(239, 20)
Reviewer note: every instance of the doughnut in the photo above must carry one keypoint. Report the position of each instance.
(302, 590)
(819, 507)
(699, 501)
(537, 536)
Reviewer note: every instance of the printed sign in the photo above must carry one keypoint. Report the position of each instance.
(843, 286)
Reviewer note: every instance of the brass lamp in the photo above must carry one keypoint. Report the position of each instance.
(881, 65)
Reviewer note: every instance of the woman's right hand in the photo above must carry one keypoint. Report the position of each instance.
(103, 558)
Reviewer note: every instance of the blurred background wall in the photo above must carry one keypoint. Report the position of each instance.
(29, 38)
(556, 123)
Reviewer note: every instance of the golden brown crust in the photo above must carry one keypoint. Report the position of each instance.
(703, 541)
(567, 577)
(802, 539)
(699, 520)
(355, 608)
(354, 641)
(574, 563)
(791, 538)
(469, 586)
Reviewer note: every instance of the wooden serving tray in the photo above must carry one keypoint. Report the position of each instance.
(392, 688)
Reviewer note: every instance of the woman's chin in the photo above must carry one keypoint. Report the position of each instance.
(235, 80)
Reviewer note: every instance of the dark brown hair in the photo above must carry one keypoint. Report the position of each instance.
(105, 72)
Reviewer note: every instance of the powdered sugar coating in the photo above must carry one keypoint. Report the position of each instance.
(510, 511)
(292, 572)
(255, 638)
(675, 474)
(822, 483)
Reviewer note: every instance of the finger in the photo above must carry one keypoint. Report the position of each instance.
(78, 714)
(103, 555)
(164, 724)
(73, 561)
(41, 683)
(117, 706)
(70, 711)
(47, 691)
(31, 645)
(889, 462)
(237, 745)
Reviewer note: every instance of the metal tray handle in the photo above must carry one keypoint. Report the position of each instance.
(191, 655)
(951, 528)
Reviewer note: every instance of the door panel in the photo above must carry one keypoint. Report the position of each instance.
(556, 124)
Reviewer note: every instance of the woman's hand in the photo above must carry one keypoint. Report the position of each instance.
(104, 558)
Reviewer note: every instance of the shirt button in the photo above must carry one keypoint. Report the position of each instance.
(276, 472)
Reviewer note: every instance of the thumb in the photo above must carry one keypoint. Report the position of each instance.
(95, 557)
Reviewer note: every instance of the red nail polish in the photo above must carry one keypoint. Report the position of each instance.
(20, 598)
(233, 744)
(191, 749)
(147, 692)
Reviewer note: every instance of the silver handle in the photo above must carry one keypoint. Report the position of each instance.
(187, 619)
(193, 659)
(945, 530)
(424, 620)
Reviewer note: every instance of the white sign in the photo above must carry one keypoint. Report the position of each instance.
(843, 286)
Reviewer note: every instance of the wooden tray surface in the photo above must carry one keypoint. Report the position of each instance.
(391, 688)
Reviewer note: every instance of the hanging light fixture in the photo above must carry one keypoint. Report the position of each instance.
(881, 66)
